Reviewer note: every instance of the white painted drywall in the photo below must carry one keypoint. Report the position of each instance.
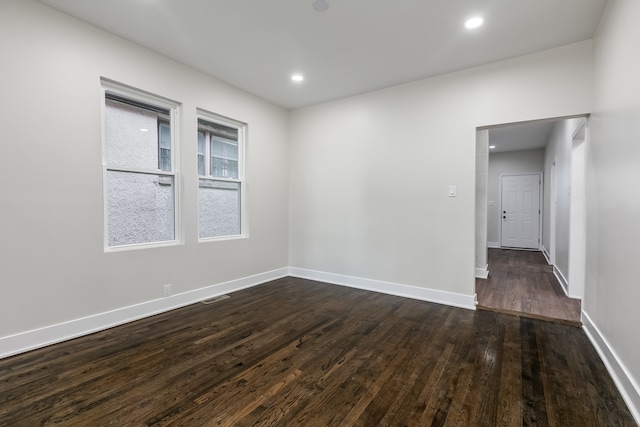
(53, 267)
(370, 173)
(559, 150)
(613, 172)
(577, 211)
(482, 165)
(510, 162)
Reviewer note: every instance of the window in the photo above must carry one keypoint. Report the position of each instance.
(201, 152)
(224, 156)
(164, 146)
(221, 177)
(139, 169)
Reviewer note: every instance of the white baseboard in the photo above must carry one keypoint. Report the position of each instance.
(628, 388)
(482, 273)
(563, 281)
(407, 291)
(546, 254)
(494, 245)
(42, 337)
(30, 340)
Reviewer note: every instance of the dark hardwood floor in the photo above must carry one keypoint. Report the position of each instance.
(298, 352)
(522, 283)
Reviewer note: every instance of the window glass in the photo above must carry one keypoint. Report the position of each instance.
(131, 136)
(220, 200)
(219, 208)
(201, 153)
(224, 157)
(139, 177)
(140, 208)
(164, 146)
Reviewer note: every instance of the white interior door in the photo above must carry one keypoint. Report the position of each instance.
(520, 202)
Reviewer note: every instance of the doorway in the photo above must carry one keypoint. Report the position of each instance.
(516, 278)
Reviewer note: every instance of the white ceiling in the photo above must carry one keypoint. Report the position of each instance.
(355, 46)
(521, 136)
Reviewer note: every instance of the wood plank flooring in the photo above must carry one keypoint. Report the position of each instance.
(522, 283)
(294, 352)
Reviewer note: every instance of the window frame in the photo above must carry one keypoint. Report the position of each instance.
(241, 127)
(112, 87)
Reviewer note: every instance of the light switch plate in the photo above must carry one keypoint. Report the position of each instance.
(452, 191)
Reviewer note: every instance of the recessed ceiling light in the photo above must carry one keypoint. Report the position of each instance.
(320, 5)
(474, 22)
(144, 130)
(492, 146)
(297, 77)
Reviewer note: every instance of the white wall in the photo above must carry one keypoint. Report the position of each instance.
(370, 173)
(612, 291)
(482, 169)
(559, 150)
(52, 264)
(512, 162)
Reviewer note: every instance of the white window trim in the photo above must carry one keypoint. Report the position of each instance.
(174, 110)
(242, 148)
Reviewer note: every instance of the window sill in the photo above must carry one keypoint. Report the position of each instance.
(222, 238)
(137, 246)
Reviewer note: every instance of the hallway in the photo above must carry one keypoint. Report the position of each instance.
(523, 284)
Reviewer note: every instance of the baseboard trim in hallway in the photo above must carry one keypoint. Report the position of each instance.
(482, 273)
(564, 284)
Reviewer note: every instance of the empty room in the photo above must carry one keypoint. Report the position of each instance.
(282, 212)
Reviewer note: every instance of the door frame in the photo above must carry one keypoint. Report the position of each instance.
(540, 207)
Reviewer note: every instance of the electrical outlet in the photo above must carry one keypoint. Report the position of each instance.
(167, 290)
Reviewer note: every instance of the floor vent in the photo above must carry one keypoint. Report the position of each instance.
(215, 299)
